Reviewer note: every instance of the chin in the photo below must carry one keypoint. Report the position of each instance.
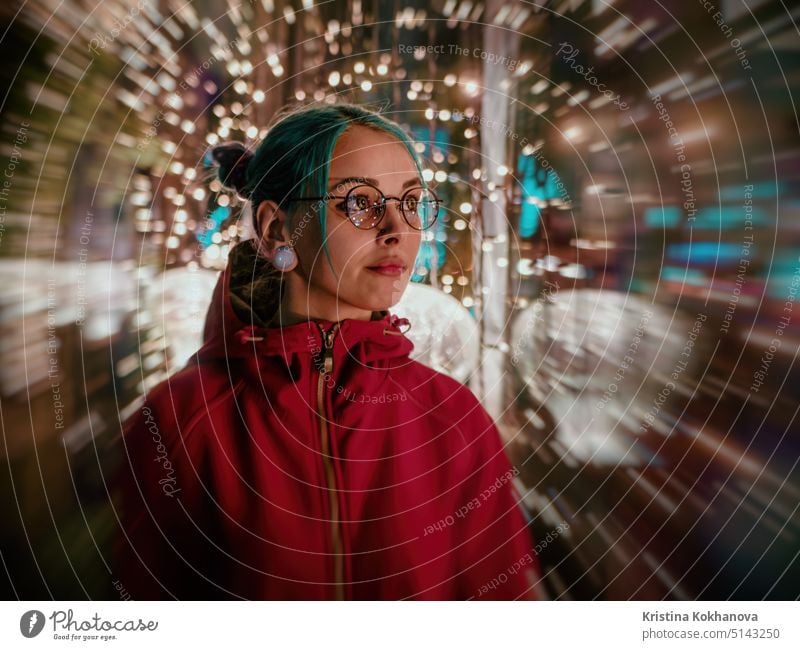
(393, 297)
(385, 302)
(380, 293)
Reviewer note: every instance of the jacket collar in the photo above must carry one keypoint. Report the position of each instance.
(225, 334)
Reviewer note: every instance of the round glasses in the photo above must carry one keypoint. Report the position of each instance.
(365, 205)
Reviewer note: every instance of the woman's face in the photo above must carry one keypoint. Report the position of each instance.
(359, 286)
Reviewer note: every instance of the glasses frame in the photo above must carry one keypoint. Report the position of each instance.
(343, 205)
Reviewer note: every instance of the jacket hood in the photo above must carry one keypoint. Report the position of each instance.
(235, 327)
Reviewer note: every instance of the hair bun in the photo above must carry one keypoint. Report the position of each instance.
(233, 159)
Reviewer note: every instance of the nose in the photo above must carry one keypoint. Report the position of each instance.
(393, 224)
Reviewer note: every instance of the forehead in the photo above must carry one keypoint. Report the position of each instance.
(365, 152)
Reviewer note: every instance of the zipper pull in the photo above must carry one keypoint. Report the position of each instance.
(327, 343)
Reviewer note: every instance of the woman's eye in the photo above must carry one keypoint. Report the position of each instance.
(411, 204)
(361, 202)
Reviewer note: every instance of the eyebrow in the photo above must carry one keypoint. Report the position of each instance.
(371, 181)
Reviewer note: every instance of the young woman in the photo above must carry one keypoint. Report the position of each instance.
(301, 454)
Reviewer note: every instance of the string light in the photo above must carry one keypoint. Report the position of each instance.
(234, 115)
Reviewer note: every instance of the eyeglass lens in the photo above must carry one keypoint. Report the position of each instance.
(366, 206)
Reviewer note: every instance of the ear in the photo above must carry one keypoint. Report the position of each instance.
(273, 226)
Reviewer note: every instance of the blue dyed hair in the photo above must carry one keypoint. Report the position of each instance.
(294, 157)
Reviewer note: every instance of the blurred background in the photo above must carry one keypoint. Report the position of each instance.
(615, 270)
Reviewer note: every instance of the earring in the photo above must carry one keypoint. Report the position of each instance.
(285, 259)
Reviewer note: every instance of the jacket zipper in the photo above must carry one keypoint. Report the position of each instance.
(330, 476)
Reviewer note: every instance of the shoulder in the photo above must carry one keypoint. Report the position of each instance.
(440, 387)
(446, 401)
(177, 404)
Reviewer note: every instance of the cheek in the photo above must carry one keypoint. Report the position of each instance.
(307, 247)
(347, 247)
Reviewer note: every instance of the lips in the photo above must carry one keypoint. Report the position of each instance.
(393, 266)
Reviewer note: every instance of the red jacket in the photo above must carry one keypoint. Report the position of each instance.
(317, 461)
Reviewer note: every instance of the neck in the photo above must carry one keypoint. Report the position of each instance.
(300, 303)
